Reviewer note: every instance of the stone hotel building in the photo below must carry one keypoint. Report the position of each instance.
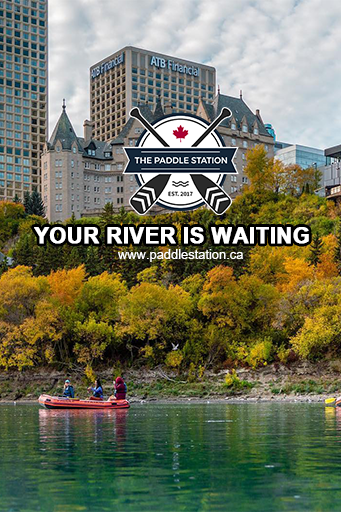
(81, 174)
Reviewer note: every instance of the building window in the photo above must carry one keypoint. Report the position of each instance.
(233, 126)
(233, 142)
(244, 143)
(244, 128)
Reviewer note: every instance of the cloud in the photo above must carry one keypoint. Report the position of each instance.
(283, 54)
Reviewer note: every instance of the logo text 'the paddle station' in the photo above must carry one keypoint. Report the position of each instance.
(180, 163)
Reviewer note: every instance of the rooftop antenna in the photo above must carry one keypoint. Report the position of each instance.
(64, 104)
(241, 94)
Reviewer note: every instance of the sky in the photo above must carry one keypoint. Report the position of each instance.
(283, 54)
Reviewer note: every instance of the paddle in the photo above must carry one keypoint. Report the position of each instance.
(213, 195)
(330, 401)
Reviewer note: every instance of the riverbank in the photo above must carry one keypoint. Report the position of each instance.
(300, 381)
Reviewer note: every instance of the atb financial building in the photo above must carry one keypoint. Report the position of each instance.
(131, 76)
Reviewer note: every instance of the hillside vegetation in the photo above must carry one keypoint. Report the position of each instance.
(85, 307)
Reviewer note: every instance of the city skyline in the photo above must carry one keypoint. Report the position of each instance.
(282, 54)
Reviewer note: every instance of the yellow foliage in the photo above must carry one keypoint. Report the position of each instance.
(148, 275)
(318, 332)
(232, 379)
(260, 353)
(296, 272)
(19, 292)
(66, 285)
(174, 359)
(150, 311)
(283, 354)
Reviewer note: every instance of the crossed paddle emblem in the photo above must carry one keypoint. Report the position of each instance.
(210, 192)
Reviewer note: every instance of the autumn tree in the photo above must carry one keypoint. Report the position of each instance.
(66, 285)
(154, 315)
(259, 170)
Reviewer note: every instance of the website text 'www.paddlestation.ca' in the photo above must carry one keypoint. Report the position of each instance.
(178, 254)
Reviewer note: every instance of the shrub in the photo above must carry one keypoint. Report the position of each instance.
(174, 359)
(260, 353)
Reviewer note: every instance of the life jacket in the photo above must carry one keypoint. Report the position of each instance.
(120, 389)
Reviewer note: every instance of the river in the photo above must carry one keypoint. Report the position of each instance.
(175, 457)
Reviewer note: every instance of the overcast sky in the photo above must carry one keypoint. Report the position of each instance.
(283, 54)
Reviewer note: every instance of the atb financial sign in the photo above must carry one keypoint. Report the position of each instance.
(171, 65)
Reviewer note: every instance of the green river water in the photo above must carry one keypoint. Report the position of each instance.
(176, 457)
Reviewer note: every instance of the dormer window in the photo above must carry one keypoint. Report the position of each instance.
(233, 126)
(58, 149)
(244, 128)
(255, 130)
(91, 152)
(74, 149)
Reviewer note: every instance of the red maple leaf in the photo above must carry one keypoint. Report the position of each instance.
(180, 133)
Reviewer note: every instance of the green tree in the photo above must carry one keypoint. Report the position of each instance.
(33, 204)
(4, 265)
(337, 251)
(315, 250)
(107, 215)
(92, 263)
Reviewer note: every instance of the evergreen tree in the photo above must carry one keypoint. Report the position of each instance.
(107, 215)
(24, 250)
(122, 216)
(33, 204)
(73, 259)
(37, 206)
(16, 199)
(315, 250)
(27, 203)
(4, 265)
(93, 264)
(72, 220)
(337, 253)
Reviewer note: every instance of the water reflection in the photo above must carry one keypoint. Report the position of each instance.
(269, 457)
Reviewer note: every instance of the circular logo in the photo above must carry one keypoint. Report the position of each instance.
(180, 163)
(180, 131)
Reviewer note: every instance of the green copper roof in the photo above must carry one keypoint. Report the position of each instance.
(64, 132)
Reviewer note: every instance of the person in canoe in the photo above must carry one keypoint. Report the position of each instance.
(120, 389)
(97, 390)
(68, 390)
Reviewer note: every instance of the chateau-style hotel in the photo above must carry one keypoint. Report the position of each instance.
(80, 174)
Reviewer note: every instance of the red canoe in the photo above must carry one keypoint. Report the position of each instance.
(56, 402)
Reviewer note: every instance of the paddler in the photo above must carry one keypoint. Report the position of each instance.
(68, 390)
(97, 390)
(120, 388)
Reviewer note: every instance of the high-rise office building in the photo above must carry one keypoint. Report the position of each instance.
(131, 76)
(23, 94)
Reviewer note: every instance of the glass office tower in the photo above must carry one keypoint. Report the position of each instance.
(23, 94)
